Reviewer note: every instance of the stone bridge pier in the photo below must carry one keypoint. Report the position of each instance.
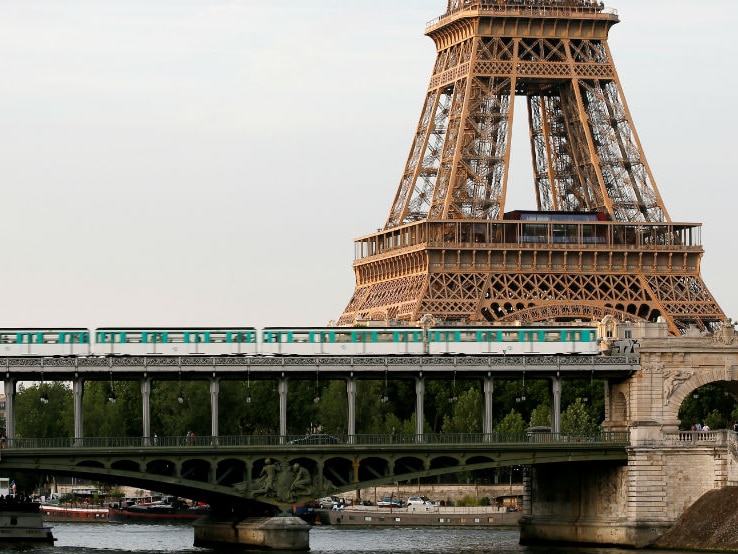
(633, 504)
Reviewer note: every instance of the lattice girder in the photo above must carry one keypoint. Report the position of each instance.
(586, 157)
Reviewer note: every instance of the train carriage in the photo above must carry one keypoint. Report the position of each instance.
(347, 341)
(175, 341)
(66, 341)
(581, 339)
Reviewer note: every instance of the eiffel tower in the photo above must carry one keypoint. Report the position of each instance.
(600, 241)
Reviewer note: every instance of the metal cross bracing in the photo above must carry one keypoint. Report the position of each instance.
(450, 249)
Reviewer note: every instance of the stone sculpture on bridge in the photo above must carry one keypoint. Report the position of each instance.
(278, 486)
(267, 479)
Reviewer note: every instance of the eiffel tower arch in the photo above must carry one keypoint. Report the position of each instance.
(600, 240)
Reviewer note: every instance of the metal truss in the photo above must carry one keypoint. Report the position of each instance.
(586, 157)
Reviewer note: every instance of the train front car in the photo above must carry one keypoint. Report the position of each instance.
(66, 341)
(175, 341)
(515, 340)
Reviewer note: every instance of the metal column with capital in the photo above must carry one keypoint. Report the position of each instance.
(556, 404)
(419, 401)
(351, 397)
(283, 405)
(214, 391)
(10, 407)
(78, 392)
(146, 407)
(489, 388)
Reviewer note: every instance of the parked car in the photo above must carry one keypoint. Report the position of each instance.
(419, 501)
(329, 501)
(388, 502)
(334, 502)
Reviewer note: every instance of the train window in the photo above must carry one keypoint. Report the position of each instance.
(104, 338)
(510, 336)
(468, 336)
(195, 337)
(487, 336)
(552, 336)
(408, 336)
(155, 338)
(383, 336)
(341, 336)
(30, 338)
(247, 336)
(300, 336)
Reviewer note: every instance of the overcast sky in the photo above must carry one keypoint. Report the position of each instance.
(208, 163)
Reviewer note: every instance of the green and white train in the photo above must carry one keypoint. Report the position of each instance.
(579, 338)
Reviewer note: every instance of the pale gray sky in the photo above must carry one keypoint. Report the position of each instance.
(204, 162)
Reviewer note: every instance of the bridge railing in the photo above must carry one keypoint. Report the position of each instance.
(686, 438)
(327, 441)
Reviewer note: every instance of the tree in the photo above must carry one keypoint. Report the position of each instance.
(467, 415)
(577, 420)
(44, 419)
(541, 416)
(511, 424)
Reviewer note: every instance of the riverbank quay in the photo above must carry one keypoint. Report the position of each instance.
(449, 494)
(419, 516)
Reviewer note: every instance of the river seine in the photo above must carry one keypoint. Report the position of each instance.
(110, 538)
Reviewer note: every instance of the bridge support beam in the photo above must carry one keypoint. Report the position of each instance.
(584, 503)
(267, 533)
(10, 406)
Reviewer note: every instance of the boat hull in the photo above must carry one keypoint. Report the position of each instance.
(116, 515)
(21, 528)
(69, 514)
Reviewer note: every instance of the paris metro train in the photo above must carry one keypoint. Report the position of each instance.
(580, 338)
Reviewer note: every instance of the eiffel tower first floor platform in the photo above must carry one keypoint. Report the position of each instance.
(479, 272)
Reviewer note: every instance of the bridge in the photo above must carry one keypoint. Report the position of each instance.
(222, 470)
(625, 486)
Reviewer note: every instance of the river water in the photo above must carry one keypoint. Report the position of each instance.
(111, 538)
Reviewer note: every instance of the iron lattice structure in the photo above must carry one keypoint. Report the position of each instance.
(600, 241)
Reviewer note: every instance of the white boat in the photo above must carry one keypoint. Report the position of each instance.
(21, 523)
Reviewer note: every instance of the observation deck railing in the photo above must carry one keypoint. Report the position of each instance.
(547, 8)
(534, 234)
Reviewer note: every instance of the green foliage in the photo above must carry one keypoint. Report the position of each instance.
(511, 424)
(541, 416)
(576, 419)
(467, 415)
(471, 501)
(52, 419)
(715, 420)
(713, 405)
